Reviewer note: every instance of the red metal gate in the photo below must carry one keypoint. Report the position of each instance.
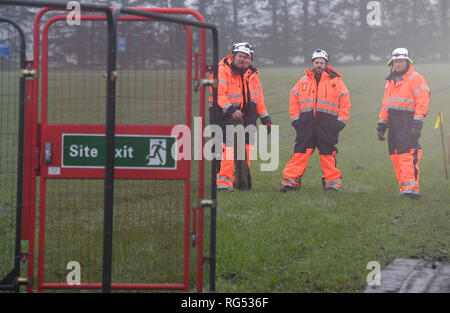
(154, 198)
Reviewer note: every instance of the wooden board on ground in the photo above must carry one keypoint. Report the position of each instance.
(413, 276)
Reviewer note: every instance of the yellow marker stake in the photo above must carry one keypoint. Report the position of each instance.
(438, 121)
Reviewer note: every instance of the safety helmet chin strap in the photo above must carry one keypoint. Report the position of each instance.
(234, 56)
(391, 61)
(399, 73)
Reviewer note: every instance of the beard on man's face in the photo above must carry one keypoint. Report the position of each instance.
(318, 70)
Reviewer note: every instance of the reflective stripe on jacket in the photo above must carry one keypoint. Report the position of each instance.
(410, 94)
(331, 96)
(232, 89)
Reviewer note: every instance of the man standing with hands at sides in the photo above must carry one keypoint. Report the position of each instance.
(405, 105)
(319, 108)
(241, 101)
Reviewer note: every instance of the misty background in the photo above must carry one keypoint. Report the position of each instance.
(285, 32)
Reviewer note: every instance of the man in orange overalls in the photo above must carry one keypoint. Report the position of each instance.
(319, 109)
(405, 105)
(240, 99)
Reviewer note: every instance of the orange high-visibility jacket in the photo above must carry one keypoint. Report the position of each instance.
(330, 97)
(231, 89)
(411, 94)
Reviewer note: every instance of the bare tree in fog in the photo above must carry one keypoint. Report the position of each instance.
(286, 31)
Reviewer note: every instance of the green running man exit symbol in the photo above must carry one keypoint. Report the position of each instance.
(157, 154)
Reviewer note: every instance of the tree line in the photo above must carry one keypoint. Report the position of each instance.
(285, 32)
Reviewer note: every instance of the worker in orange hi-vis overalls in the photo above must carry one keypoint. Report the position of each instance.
(405, 105)
(240, 100)
(319, 109)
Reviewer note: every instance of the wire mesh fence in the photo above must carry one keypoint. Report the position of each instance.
(9, 139)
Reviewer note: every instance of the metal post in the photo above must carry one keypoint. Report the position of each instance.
(109, 150)
(20, 156)
(20, 159)
(213, 231)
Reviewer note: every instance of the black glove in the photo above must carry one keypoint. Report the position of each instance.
(416, 128)
(268, 122)
(339, 125)
(381, 128)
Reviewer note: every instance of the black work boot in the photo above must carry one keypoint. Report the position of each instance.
(223, 188)
(287, 188)
(414, 196)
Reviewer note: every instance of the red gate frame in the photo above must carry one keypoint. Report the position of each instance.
(32, 166)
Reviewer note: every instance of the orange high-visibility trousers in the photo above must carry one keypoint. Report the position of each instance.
(314, 132)
(406, 167)
(332, 176)
(225, 177)
(294, 170)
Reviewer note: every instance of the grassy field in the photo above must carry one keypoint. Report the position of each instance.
(311, 241)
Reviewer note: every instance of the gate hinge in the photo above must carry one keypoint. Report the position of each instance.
(206, 261)
(205, 82)
(194, 226)
(37, 152)
(24, 257)
(208, 203)
(23, 281)
(196, 86)
(113, 75)
(28, 73)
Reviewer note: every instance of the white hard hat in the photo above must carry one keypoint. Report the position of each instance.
(244, 47)
(400, 54)
(319, 53)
